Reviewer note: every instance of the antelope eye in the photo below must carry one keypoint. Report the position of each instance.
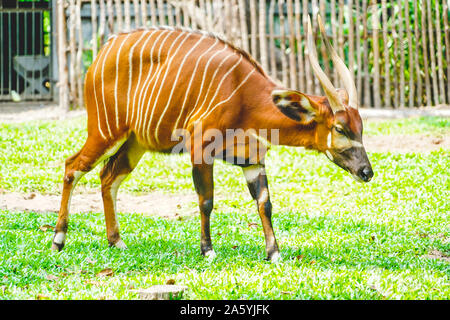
(339, 130)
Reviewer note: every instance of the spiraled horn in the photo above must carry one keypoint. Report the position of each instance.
(330, 90)
(341, 68)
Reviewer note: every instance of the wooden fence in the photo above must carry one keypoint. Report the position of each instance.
(397, 51)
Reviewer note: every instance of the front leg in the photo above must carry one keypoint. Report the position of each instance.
(204, 186)
(257, 184)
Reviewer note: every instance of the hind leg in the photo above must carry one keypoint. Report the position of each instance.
(113, 173)
(93, 151)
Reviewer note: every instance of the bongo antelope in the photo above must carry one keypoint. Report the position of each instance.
(146, 84)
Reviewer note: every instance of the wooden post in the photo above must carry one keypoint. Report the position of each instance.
(432, 53)
(447, 44)
(62, 58)
(300, 60)
(273, 59)
(335, 37)
(253, 20)
(402, 57)
(439, 54)
(417, 54)
(309, 76)
(144, 12)
(284, 66)
(410, 57)
(79, 60)
(351, 44)
(387, 70)
(169, 14)
(425, 54)
(262, 35)
(94, 28)
(119, 16)
(340, 43)
(153, 13)
(110, 10)
(376, 56)
(72, 48)
(161, 13)
(137, 14)
(358, 50)
(366, 95)
(292, 61)
(102, 26)
(243, 23)
(126, 13)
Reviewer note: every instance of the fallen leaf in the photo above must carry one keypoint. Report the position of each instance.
(30, 196)
(312, 262)
(287, 292)
(300, 257)
(234, 247)
(105, 273)
(46, 227)
(41, 297)
(252, 224)
(170, 281)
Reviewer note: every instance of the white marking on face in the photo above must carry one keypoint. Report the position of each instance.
(329, 140)
(356, 144)
(252, 172)
(59, 238)
(329, 155)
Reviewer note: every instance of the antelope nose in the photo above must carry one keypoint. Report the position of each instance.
(365, 174)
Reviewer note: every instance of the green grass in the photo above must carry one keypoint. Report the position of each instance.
(339, 239)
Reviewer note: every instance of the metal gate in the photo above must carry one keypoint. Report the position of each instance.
(25, 50)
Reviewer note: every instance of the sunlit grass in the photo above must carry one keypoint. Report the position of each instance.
(339, 239)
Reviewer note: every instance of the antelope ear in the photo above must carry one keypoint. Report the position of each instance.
(295, 105)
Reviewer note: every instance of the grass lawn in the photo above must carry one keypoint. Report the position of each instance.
(339, 239)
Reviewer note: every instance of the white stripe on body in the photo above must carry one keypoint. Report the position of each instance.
(134, 105)
(217, 88)
(103, 53)
(146, 84)
(194, 72)
(180, 67)
(117, 79)
(130, 71)
(149, 101)
(203, 81)
(229, 97)
(103, 87)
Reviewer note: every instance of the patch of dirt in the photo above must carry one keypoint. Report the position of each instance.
(436, 254)
(156, 203)
(21, 112)
(406, 143)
